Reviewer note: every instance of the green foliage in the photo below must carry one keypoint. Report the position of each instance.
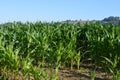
(25, 45)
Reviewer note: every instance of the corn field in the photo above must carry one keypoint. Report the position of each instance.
(27, 50)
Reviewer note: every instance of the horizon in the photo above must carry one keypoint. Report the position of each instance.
(47, 11)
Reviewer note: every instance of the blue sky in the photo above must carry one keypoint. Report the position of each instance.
(57, 10)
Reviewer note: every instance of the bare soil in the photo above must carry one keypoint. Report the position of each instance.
(82, 74)
(67, 74)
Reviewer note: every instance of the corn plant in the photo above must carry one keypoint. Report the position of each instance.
(53, 45)
(92, 75)
(112, 66)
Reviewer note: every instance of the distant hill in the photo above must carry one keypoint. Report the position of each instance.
(111, 19)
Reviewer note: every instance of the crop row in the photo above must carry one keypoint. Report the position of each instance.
(26, 45)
